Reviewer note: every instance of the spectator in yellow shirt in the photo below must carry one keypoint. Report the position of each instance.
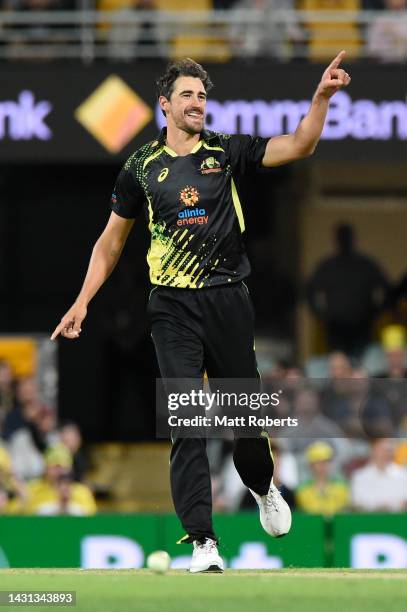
(12, 490)
(56, 492)
(323, 494)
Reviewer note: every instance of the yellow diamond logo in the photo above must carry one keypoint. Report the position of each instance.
(114, 114)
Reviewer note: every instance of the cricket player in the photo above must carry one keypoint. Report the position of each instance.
(200, 310)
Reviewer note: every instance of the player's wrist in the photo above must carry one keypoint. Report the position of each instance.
(82, 302)
(321, 97)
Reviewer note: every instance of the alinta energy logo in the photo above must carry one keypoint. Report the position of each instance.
(189, 196)
(114, 114)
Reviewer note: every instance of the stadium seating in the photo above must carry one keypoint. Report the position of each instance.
(121, 470)
(326, 38)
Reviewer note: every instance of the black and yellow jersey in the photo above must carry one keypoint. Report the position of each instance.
(193, 207)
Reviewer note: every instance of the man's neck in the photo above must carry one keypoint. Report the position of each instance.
(321, 482)
(181, 142)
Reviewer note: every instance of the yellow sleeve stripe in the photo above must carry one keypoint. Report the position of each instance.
(238, 206)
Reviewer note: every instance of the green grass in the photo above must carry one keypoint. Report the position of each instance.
(288, 590)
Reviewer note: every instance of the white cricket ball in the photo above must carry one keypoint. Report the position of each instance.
(159, 561)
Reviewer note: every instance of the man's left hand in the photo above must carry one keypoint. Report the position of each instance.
(333, 79)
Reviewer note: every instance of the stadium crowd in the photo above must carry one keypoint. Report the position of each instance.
(350, 452)
(380, 35)
(42, 463)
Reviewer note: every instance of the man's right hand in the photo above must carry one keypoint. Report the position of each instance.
(70, 326)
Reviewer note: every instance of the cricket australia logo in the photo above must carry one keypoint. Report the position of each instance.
(210, 164)
(189, 196)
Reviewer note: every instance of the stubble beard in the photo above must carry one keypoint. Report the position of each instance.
(190, 128)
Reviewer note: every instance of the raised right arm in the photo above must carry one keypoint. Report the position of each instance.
(104, 258)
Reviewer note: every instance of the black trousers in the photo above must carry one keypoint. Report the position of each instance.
(208, 329)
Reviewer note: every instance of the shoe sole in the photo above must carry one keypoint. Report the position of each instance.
(212, 569)
(215, 569)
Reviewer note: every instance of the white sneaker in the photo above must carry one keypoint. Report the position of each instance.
(275, 513)
(205, 557)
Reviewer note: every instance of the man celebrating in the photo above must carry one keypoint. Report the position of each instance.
(200, 311)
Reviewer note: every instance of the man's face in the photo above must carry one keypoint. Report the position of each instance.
(321, 469)
(395, 359)
(186, 107)
(306, 404)
(339, 366)
(54, 472)
(383, 451)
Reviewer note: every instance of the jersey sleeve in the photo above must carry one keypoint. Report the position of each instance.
(246, 152)
(128, 196)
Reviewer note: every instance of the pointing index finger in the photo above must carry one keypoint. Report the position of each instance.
(335, 63)
(57, 331)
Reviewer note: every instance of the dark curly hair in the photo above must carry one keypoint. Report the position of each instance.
(183, 67)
